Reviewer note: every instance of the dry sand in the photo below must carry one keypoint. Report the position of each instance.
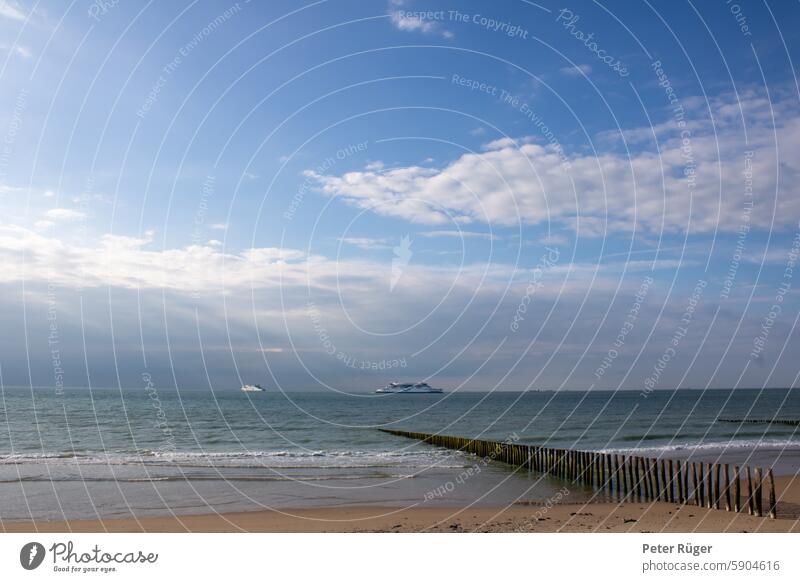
(591, 517)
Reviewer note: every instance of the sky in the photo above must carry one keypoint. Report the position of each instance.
(337, 194)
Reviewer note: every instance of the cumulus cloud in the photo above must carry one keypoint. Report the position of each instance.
(692, 186)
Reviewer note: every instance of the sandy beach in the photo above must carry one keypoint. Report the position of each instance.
(571, 517)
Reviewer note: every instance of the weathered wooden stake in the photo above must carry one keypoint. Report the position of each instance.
(773, 507)
(758, 501)
(737, 490)
(727, 488)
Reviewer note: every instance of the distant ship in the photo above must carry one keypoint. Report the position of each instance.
(252, 388)
(418, 388)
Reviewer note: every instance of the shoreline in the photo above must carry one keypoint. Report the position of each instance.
(599, 517)
(576, 518)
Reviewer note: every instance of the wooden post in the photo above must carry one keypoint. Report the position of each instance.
(598, 461)
(695, 484)
(737, 489)
(652, 473)
(727, 488)
(670, 481)
(773, 507)
(617, 476)
(657, 483)
(664, 483)
(716, 484)
(709, 503)
(703, 484)
(686, 481)
(678, 478)
(587, 468)
(631, 478)
(652, 478)
(750, 505)
(758, 501)
(576, 467)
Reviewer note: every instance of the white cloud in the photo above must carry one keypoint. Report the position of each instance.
(517, 181)
(218, 226)
(458, 234)
(133, 263)
(22, 51)
(408, 22)
(63, 215)
(11, 10)
(367, 243)
(411, 23)
(576, 71)
(553, 240)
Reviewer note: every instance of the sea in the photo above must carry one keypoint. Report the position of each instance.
(136, 452)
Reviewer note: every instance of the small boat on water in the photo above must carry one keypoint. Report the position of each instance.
(252, 388)
(408, 388)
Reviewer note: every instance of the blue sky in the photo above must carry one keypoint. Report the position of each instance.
(333, 195)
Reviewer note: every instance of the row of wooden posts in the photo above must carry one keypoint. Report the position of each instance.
(631, 477)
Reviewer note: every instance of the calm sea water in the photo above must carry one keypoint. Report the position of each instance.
(111, 453)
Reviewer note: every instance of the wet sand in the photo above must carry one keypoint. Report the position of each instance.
(528, 517)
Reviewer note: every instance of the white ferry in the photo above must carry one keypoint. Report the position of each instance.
(417, 388)
(252, 388)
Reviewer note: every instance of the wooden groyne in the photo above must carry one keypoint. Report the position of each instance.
(631, 477)
(788, 422)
